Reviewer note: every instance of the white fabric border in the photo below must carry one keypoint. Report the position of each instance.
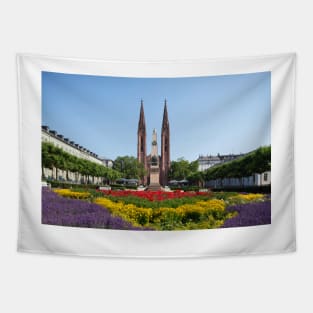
(275, 238)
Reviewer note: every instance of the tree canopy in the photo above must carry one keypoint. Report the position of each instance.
(258, 161)
(182, 169)
(129, 167)
(53, 156)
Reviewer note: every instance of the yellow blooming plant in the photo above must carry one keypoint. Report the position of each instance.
(244, 198)
(137, 216)
(202, 214)
(72, 194)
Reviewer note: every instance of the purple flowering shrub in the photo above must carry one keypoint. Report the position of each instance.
(250, 214)
(57, 210)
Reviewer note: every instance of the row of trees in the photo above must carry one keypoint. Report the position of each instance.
(57, 159)
(258, 161)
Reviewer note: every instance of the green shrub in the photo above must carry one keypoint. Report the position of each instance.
(65, 185)
(185, 188)
(252, 189)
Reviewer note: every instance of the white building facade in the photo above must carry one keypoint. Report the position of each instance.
(207, 161)
(58, 140)
(69, 146)
(255, 180)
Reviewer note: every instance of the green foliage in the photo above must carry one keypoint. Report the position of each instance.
(257, 161)
(54, 157)
(182, 169)
(185, 188)
(179, 169)
(75, 187)
(170, 220)
(144, 203)
(193, 166)
(129, 167)
(122, 187)
(195, 178)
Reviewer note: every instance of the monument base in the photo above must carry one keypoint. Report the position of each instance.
(154, 178)
(154, 187)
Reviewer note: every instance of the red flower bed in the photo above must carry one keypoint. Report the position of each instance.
(152, 195)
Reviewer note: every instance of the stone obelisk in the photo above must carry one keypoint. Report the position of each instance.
(154, 166)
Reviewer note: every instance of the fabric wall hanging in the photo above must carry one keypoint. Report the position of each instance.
(156, 159)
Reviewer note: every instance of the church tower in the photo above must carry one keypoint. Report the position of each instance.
(165, 148)
(141, 143)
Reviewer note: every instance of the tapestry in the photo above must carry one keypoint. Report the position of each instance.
(186, 158)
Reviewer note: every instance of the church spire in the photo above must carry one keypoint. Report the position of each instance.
(165, 122)
(141, 141)
(142, 122)
(165, 147)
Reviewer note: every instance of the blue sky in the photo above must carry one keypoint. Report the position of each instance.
(208, 115)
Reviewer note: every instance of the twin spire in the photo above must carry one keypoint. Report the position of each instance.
(164, 160)
(142, 121)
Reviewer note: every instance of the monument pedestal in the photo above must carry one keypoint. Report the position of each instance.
(155, 187)
(154, 178)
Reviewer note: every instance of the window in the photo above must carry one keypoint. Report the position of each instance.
(265, 176)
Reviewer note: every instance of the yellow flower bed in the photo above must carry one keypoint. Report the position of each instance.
(199, 208)
(248, 197)
(146, 216)
(137, 216)
(72, 194)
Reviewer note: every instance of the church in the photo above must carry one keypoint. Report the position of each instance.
(157, 166)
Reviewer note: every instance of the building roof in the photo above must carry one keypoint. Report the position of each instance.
(69, 142)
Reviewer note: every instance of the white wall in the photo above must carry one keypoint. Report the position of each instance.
(144, 29)
(45, 137)
(255, 180)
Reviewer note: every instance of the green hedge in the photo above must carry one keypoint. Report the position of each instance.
(185, 188)
(122, 187)
(253, 189)
(58, 184)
